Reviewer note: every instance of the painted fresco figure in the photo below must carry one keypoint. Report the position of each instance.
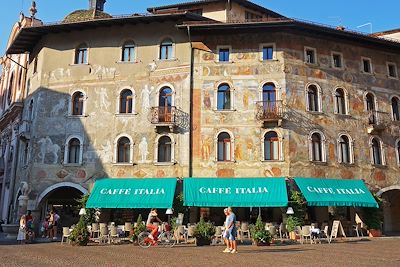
(143, 149)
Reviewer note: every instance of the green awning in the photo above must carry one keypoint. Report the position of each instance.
(330, 192)
(235, 192)
(132, 193)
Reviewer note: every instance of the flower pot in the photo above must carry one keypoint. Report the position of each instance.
(262, 244)
(203, 242)
(374, 233)
(292, 235)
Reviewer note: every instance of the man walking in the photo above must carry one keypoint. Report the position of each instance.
(226, 234)
(231, 230)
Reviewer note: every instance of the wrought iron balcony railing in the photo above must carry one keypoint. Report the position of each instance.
(269, 110)
(168, 116)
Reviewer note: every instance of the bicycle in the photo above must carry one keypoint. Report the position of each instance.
(165, 238)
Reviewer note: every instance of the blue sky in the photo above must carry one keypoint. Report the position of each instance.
(350, 13)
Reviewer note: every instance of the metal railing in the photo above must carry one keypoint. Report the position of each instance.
(269, 110)
(165, 115)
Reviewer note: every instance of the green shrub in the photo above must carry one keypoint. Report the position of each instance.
(80, 234)
(204, 230)
(140, 227)
(292, 222)
(258, 232)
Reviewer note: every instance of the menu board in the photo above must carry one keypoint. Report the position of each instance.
(337, 228)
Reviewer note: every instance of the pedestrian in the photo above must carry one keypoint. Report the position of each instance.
(55, 223)
(232, 230)
(22, 230)
(29, 226)
(50, 225)
(225, 234)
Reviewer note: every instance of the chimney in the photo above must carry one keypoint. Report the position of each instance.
(98, 5)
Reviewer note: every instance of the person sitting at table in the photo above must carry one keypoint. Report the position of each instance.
(150, 226)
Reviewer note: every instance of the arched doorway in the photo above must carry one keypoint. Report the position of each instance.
(63, 198)
(391, 209)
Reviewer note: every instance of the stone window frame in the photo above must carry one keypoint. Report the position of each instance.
(229, 47)
(71, 102)
(370, 65)
(173, 144)
(232, 141)
(123, 44)
(280, 145)
(159, 88)
(346, 101)
(118, 103)
(376, 113)
(382, 151)
(131, 150)
(351, 149)
(261, 54)
(391, 106)
(66, 150)
(162, 39)
(388, 64)
(232, 92)
(396, 148)
(83, 44)
(308, 48)
(323, 146)
(278, 89)
(319, 92)
(333, 53)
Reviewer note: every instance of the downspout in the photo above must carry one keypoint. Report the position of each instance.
(191, 104)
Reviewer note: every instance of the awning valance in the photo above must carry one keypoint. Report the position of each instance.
(330, 192)
(132, 193)
(235, 192)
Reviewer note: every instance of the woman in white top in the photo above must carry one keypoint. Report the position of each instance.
(22, 230)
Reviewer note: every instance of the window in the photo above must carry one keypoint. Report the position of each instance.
(398, 152)
(344, 149)
(271, 146)
(10, 89)
(366, 65)
(313, 99)
(268, 52)
(376, 152)
(165, 112)
(392, 70)
(224, 147)
(370, 105)
(252, 16)
(124, 150)
(310, 55)
(81, 54)
(74, 151)
(340, 101)
(164, 149)
(77, 103)
(316, 147)
(166, 48)
(223, 54)
(128, 52)
(224, 97)
(35, 63)
(125, 104)
(337, 60)
(395, 108)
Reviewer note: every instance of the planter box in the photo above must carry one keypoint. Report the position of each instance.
(11, 230)
(262, 244)
(374, 233)
(203, 242)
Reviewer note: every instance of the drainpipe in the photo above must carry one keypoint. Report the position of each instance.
(191, 104)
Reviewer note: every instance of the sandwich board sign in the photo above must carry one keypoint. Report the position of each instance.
(337, 228)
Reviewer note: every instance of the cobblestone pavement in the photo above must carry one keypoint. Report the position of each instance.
(379, 252)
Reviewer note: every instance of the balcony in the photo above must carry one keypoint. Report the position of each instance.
(375, 126)
(270, 111)
(171, 117)
(25, 129)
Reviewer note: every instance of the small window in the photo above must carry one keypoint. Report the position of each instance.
(124, 150)
(313, 98)
(77, 103)
(128, 52)
(224, 97)
(316, 147)
(392, 70)
(35, 64)
(366, 63)
(10, 89)
(224, 147)
(310, 55)
(271, 146)
(268, 53)
(125, 103)
(164, 149)
(395, 108)
(376, 152)
(81, 54)
(166, 48)
(398, 152)
(337, 60)
(344, 150)
(74, 147)
(371, 109)
(224, 54)
(340, 101)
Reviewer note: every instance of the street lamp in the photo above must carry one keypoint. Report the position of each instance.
(169, 212)
(290, 211)
(82, 211)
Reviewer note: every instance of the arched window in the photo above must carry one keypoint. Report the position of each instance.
(344, 150)
(125, 102)
(370, 105)
(10, 89)
(19, 79)
(395, 109)
(271, 146)
(81, 54)
(224, 97)
(77, 103)
(74, 151)
(340, 101)
(165, 105)
(166, 49)
(376, 152)
(316, 147)
(224, 147)
(313, 98)
(398, 152)
(128, 52)
(164, 149)
(124, 150)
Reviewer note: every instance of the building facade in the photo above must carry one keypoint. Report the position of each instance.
(220, 89)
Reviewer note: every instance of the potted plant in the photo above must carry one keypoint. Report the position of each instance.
(373, 219)
(260, 236)
(291, 223)
(203, 232)
(80, 234)
(140, 227)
